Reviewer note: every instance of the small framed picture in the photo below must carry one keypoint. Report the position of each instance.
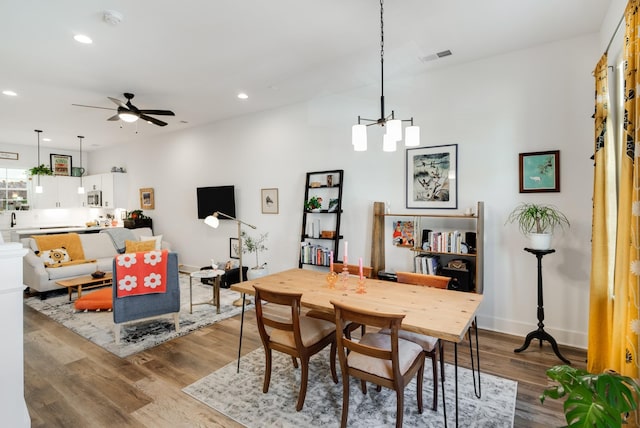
(60, 164)
(269, 201)
(9, 155)
(432, 177)
(540, 172)
(234, 252)
(147, 201)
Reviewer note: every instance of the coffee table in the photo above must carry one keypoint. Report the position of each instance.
(85, 282)
(206, 273)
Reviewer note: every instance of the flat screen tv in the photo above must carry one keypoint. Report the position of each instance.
(219, 198)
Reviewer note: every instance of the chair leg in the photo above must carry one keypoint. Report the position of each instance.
(295, 362)
(419, 384)
(345, 399)
(400, 406)
(363, 386)
(334, 374)
(304, 377)
(267, 371)
(441, 351)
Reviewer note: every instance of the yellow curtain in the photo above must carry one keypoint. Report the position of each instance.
(626, 319)
(600, 304)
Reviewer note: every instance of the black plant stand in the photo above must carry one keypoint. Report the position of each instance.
(540, 334)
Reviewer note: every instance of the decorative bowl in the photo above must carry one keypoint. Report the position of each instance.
(98, 274)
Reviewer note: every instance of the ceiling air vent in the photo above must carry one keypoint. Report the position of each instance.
(435, 56)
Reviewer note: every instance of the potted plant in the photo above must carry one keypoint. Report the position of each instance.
(255, 245)
(40, 170)
(592, 400)
(313, 204)
(135, 219)
(538, 221)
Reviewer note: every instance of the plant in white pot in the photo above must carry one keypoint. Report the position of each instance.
(255, 245)
(538, 221)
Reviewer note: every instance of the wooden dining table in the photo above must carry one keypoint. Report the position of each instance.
(445, 314)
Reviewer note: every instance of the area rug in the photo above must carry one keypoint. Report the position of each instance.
(239, 396)
(98, 326)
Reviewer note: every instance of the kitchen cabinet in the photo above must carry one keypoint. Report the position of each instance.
(113, 186)
(58, 192)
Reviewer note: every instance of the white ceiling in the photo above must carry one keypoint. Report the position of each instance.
(194, 56)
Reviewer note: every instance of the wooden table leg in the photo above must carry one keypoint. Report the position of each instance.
(79, 291)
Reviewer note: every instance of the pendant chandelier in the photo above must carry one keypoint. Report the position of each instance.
(81, 188)
(393, 125)
(38, 186)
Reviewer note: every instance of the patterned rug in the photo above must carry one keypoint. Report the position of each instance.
(98, 326)
(239, 396)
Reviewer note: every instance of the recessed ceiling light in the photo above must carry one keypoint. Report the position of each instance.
(81, 38)
(9, 93)
(46, 139)
(243, 96)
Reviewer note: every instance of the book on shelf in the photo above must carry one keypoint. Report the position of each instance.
(314, 254)
(427, 264)
(443, 241)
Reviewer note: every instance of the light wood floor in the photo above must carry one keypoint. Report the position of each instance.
(70, 382)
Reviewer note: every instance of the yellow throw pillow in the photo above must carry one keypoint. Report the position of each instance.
(136, 246)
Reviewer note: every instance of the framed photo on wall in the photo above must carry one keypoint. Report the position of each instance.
(539, 172)
(432, 177)
(147, 200)
(233, 248)
(269, 201)
(60, 164)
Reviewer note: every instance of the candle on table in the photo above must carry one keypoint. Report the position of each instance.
(331, 261)
(360, 265)
(346, 246)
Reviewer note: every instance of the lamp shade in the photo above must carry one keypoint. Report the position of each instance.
(212, 221)
(128, 116)
(394, 129)
(412, 136)
(388, 143)
(359, 138)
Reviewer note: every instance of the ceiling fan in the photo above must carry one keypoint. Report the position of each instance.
(130, 113)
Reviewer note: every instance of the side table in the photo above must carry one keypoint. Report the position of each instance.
(207, 273)
(540, 334)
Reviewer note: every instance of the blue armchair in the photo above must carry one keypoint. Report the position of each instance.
(134, 308)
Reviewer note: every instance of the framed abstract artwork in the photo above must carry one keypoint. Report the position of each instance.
(432, 177)
(539, 172)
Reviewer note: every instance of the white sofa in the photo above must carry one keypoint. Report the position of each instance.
(96, 246)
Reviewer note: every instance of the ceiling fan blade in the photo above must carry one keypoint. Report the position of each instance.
(114, 117)
(153, 120)
(82, 105)
(119, 103)
(158, 112)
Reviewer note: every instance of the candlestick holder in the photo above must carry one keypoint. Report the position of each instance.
(362, 286)
(344, 277)
(332, 278)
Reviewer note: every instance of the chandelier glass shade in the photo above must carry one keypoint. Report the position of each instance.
(393, 126)
(127, 116)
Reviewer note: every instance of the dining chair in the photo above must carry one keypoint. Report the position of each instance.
(291, 333)
(431, 346)
(353, 270)
(383, 359)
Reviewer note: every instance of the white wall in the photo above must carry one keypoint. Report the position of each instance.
(530, 100)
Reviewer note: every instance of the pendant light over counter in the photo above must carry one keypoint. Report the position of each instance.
(394, 126)
(39, 188)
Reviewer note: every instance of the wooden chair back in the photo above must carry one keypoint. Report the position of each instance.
(436, 281)
(353, 269)
(278, 320)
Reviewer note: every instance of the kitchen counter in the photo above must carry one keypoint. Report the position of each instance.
(18, 234)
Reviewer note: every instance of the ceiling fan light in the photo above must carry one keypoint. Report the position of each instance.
(388, 143)
(359, 138)
(412, 136)
(394, 129)
(128, 116)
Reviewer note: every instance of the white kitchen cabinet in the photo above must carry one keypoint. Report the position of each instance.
(92, 182)
(58, 192)
(114, 190)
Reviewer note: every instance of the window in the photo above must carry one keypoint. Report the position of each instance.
(13, 189)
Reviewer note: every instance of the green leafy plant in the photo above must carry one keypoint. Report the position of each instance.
(537, 218)
(253, 245)
(592, 400)
(136, 215)
(313, 203)
(40, 170)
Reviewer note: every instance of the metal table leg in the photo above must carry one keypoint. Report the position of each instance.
(241, 328)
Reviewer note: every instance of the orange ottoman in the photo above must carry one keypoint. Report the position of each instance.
(96, 301)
